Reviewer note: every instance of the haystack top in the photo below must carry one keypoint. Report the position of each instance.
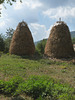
(59, 23)
(23, 23)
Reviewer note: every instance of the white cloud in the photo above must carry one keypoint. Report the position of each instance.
(63, 12)
(48, 31)
(38, 31)
(31, 12)
(18, 5)
(27, 11)
(32, 4)
(2, 24)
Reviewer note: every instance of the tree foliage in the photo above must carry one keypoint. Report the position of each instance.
(2, 44)
(1, 1)
(9, 34)
(8, 1)
(5, 40)
(41, 46)
(73, 40)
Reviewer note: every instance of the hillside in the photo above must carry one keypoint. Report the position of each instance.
(72, 34)
(39, 42)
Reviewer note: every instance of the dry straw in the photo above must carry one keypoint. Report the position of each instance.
(22, 41)
(59, 44)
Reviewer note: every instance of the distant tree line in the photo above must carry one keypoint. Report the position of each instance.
(5, 40)
(73, 40)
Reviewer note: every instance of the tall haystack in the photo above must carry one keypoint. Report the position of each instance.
(59, 44)
(22, 41)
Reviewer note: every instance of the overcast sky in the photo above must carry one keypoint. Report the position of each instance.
(40, 15)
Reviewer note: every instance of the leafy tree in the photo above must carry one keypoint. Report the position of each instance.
(2, 44)
(9, 33)
(8, 38)
(1, 1)
(8, 1)
(41, 46)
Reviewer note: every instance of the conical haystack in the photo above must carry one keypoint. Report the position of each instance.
(22, 41)
(59, 44)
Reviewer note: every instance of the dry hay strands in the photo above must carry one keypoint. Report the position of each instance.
(22, 41)
(59, 44)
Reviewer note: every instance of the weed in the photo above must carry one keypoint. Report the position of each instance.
(43, 86)
(37, 87)
(63, 70)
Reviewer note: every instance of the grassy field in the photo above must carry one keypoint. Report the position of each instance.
(16, 66)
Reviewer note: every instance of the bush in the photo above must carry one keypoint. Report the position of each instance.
(33, 87)
(37, 87)
(8, 37)
(73, 40)
(43, 87)
(2, 44)
(2, 84)
(9, 87)
(40, 47)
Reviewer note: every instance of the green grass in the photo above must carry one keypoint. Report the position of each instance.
(36, 87)
(24, 67)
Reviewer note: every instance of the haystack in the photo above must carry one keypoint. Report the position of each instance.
(59, 44)
(22, 41)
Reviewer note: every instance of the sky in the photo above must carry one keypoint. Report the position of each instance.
(40, 15)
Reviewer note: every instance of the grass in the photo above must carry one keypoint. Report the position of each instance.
(36, 87)
(16, 66)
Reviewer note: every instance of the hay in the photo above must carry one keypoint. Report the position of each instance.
(59, 44)
(22, 41)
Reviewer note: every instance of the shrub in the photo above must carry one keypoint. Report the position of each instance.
(34, 86)
(73, 40)
(37, 87)
(2, 84)
(2, 44)
(9, 87)
(43, 87)
(40, 47)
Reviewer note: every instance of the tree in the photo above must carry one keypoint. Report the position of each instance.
(8, 38)
(9, 33)
(41, 46)
(1, 1)
(8, 1)
(2, 44)
(73, 40)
